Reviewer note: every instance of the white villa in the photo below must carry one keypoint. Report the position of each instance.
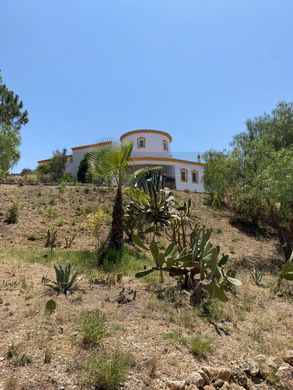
(150, 148)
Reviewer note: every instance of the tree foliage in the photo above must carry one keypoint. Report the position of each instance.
(54, 169)
(11, 109)
(256, 177)
(9, 152)
(12, 117)
(82, 174)
(110, 164)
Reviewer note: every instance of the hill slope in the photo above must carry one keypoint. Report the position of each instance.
(157, 327)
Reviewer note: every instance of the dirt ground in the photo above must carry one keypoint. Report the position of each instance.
(256, 319)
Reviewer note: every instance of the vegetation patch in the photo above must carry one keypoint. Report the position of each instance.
(108, 371)
(91, 326)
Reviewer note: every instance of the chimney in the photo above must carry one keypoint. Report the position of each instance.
(198, 157)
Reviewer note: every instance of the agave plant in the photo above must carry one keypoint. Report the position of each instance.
(150, 202)
(256, 276)
(65, 281)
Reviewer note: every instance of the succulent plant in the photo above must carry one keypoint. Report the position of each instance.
(65, 282)
(200, 257)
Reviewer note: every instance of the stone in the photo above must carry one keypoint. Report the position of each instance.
(285, 375)
(225, 374)
(235, 386)
(219, 383)
(243, 364)
(196, 378)
(262, 386)
(253, 368)
(209, 387)
(177, 385)
(288, 357)
(261, 358)
(238, 376)
(267, 366)
(212, 372)
(226, 386)
(249, 366)
(204, 376)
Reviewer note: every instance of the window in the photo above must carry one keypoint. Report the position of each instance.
(141, 142)
(165, 145)
(194, 174)
(183, 174)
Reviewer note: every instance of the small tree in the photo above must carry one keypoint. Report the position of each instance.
(54, 169)
(9, 153)
(111, 164)
(12, 117)
(83, 169)
(256, 178)
(11, 112)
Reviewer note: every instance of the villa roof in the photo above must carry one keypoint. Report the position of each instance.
(167, 159)
(48, 159)
(144, 131)
(104, 143)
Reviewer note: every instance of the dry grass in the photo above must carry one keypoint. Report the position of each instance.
(257, 319)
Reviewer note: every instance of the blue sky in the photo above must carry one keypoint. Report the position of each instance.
(90, 69)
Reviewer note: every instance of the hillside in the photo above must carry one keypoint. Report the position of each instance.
(156, 326)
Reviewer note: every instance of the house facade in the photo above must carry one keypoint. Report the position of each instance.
(150, 148)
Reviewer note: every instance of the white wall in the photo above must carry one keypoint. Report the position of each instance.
(77, 156)
(173, 169)
(189, 185)
(153, 145)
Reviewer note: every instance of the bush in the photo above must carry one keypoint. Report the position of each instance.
(200, 345)
(95, 221)
(12, 214)
(82, 174)
(54, 169)
(212, 308)
(26, 171)
(31, 178)
(66, 178)
(107, 372)
(92, 327)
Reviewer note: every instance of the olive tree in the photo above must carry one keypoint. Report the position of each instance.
(255, 178)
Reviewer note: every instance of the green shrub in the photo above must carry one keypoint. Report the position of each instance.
(66, 178)
(107, 372)
(22, 360)
(32, 237)
(12, 351)
(12, 214)
(51, 238)
(50, 306)
(232, 249)
(212, 308)
(92, 327)
(200, 345)
(177, 337)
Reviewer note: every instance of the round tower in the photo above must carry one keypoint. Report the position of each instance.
(148, 143)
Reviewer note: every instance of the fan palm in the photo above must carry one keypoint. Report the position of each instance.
(111, 163)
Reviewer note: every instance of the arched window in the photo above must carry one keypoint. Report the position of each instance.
(184, 174)
(165, 145)
(194, 175)
(141, 142)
